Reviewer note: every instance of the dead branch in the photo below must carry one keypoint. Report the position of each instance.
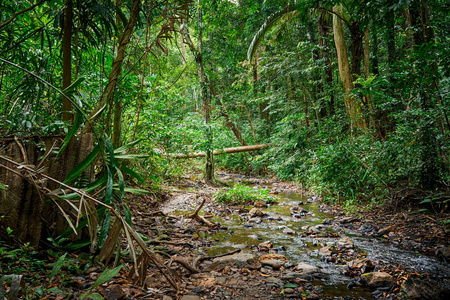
(202, 258)
(185, 264)
(202, 219)
(224, 151)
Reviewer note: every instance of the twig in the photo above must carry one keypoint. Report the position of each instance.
(195, 215)
(185, 264)
(202, 258)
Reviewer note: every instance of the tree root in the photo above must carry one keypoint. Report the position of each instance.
(202, 258)
(185, 264)
(202, 219)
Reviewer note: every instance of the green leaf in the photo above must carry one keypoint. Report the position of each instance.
(131, 156)
(109, 186)
(121, 182)
(78, 244)
(96, 296)
(136, 191)
(71, 133)
(57, 266)
(124, 148)
(290, 285)
(132, 173)
(106, 275)
(109, 147)
(127, 212)
(83, 165)
(73, 86)
(105, 229)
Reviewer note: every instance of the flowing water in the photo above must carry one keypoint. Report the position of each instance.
(284, 231)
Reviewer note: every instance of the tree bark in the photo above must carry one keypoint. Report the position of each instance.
(344, 71)
(205, 94)
(108, 93)
(224, 151)
(67, 59)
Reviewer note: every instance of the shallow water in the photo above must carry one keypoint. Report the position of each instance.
(301, 249)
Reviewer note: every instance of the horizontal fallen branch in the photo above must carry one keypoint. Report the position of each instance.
(224, 151)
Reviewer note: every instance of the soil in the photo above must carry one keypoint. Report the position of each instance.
(179, 242)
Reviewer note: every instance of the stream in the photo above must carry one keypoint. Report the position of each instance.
(284, 224)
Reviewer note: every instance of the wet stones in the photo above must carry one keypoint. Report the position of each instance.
(344, 244)
(361, 265)
(306, 269)
(276, 261)
(255, 212)
(377, 279)
(415, 288)
(240, 260)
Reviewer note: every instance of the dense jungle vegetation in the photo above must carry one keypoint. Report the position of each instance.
(355, 106)
(348, 98)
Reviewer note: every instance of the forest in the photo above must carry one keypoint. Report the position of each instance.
(224, 149)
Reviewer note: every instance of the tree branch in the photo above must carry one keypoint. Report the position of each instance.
(21, 12)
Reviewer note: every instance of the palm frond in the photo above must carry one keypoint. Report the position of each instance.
(268, 24)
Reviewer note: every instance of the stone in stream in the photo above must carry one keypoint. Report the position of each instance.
(240, 260)
(305, 269)
(344, 244)
(260, 204)
(415, 289)
(377, 279)
(362, 265)
(276, 261)
(255, 212)
(289, 231)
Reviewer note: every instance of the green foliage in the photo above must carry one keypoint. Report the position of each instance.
(242, 194)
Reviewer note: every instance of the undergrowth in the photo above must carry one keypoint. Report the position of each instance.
(241, 194)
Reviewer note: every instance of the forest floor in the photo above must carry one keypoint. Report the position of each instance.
(298, 249)
(262, 270)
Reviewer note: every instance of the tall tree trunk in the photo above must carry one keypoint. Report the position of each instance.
(117, 120)
(205, 94)
(375, 68)
(324, 29)
(67, 59)
(356, 49)
(344, 71)
(108, 94)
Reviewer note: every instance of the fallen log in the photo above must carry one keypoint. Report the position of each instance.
(224, 151)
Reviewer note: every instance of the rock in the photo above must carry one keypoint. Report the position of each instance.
(114, 292)
(255, 212)
(165, 297)
(260, 204)
(312, 297)
(327, 221)
(416, 289)
(362, 265)
(306, 269)
(386, 230)
(326, 251)
(239, 260)
(276, 261)
(265, 246)
(344, 244)
(190, 297)
(275, 282)
(377, 279)
(288, 231)
(348, 220)
(206, 282)
(288, 290)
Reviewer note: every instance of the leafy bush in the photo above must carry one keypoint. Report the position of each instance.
(241, 194)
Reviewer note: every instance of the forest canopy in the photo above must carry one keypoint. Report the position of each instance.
(351, 96)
